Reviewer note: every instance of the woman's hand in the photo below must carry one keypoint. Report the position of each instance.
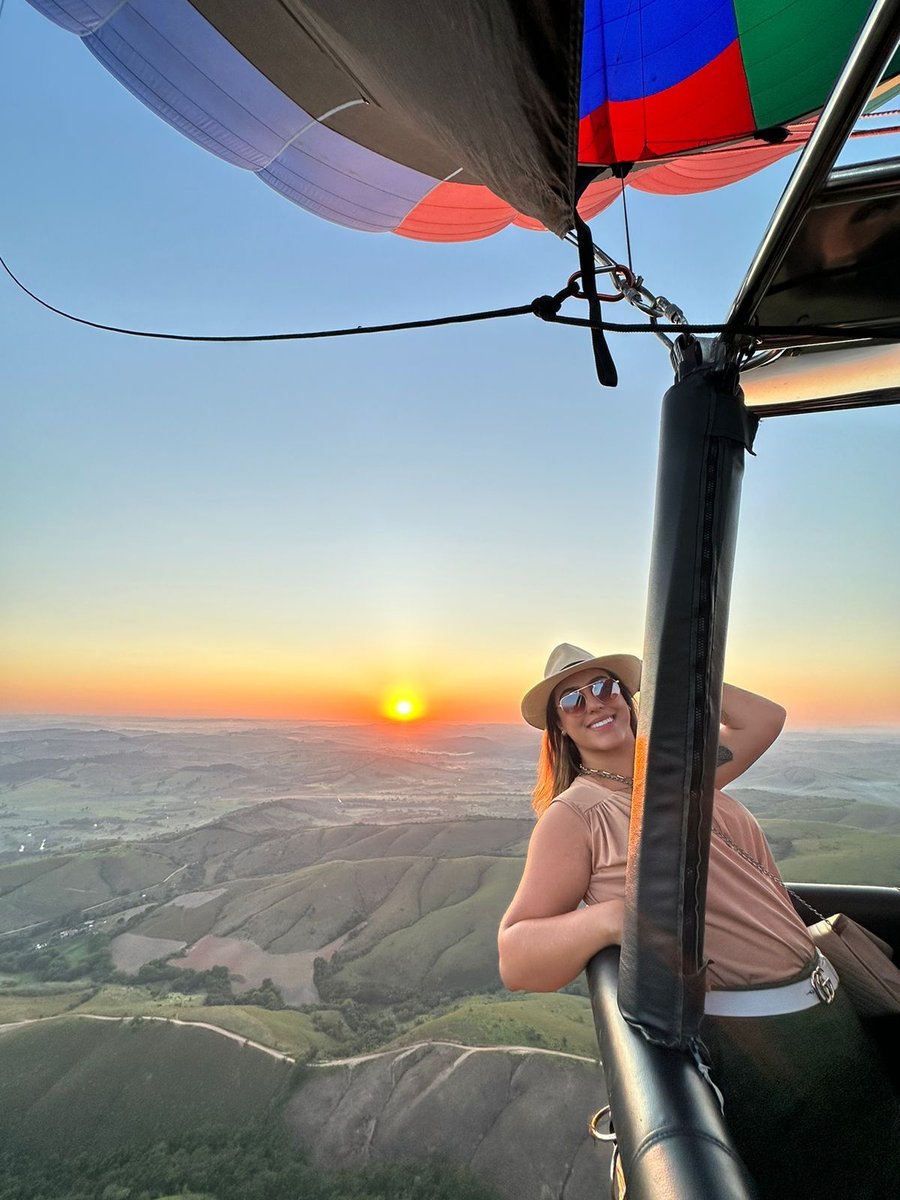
(545, 939)
(750, 724)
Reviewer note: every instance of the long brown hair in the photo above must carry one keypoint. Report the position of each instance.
(559, 761)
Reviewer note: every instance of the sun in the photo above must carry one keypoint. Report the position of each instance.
(403, 705)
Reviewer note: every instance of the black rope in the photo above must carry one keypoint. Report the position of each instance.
(545, 307)
(517, 311)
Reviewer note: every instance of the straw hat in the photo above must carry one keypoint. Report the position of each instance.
(568, 660)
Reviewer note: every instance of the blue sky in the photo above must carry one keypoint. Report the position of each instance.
(292, 529)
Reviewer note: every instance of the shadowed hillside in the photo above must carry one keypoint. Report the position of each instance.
(69, 1081)
(518, 1119)
(515, 1118)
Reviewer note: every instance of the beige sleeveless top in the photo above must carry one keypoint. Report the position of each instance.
(753, 935)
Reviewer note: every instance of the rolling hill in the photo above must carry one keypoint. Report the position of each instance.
(70, 1082)
(515, 1118)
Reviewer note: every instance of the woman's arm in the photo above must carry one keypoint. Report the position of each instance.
(750, 724)
(545, 939)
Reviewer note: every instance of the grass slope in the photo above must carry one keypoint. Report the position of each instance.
(553, 1022)
(828, 809)
(425, 839)
(291, 1032)
(73, 1084)
(77, 882)
(815, 852)
(435, 935)
(23, 1004)
(13, 875)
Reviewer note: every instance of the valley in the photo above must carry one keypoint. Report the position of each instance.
(327, 898)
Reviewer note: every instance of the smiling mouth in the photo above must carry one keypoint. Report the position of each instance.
(602, 724)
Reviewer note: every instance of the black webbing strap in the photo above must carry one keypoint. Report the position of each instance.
(606, 368)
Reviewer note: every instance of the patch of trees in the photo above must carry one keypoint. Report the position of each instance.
(256, 1163)
(267, 995)
(324, 971)
(359, 1028)
(58, 961)
(161, 976)
(334, 986)
(88, 956)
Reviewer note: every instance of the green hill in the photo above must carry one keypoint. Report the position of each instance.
(435, 935)
(92, 1109)
(381, 915)
(79, 881)
(553, 1022)
(816, 852)
(297, 1034)
(412, 924)
(832, 810)
(74, 1082)
(258, 844)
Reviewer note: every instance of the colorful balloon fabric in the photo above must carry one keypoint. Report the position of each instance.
(450, 121)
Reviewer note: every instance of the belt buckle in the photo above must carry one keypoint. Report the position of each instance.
(822, 985)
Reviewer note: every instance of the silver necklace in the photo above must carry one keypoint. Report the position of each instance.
(606, 775)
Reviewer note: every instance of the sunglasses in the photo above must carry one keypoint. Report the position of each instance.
(600, 689)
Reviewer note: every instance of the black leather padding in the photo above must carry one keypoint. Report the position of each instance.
(705, 432)
(673, 1140)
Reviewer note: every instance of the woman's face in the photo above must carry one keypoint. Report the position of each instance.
(600, 728)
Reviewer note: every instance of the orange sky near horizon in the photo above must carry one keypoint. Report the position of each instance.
(823, 699)
(151, 687)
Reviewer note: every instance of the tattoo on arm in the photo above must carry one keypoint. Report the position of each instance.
(724, 756)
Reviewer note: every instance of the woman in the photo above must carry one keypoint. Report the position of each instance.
(772, 1003)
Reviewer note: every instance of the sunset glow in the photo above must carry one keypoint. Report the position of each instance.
(403, 706)
(248, 684)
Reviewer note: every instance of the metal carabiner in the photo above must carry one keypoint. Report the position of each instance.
(615, 271)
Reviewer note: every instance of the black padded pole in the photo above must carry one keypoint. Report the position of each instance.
(705, 431)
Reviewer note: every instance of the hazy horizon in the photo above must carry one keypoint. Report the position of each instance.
(8, 719)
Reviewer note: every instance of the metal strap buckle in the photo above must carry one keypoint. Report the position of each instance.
(822, 985)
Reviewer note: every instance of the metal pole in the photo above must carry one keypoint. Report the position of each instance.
(864, 67)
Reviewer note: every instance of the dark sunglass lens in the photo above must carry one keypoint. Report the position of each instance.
(571, 702)
(602, 688)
